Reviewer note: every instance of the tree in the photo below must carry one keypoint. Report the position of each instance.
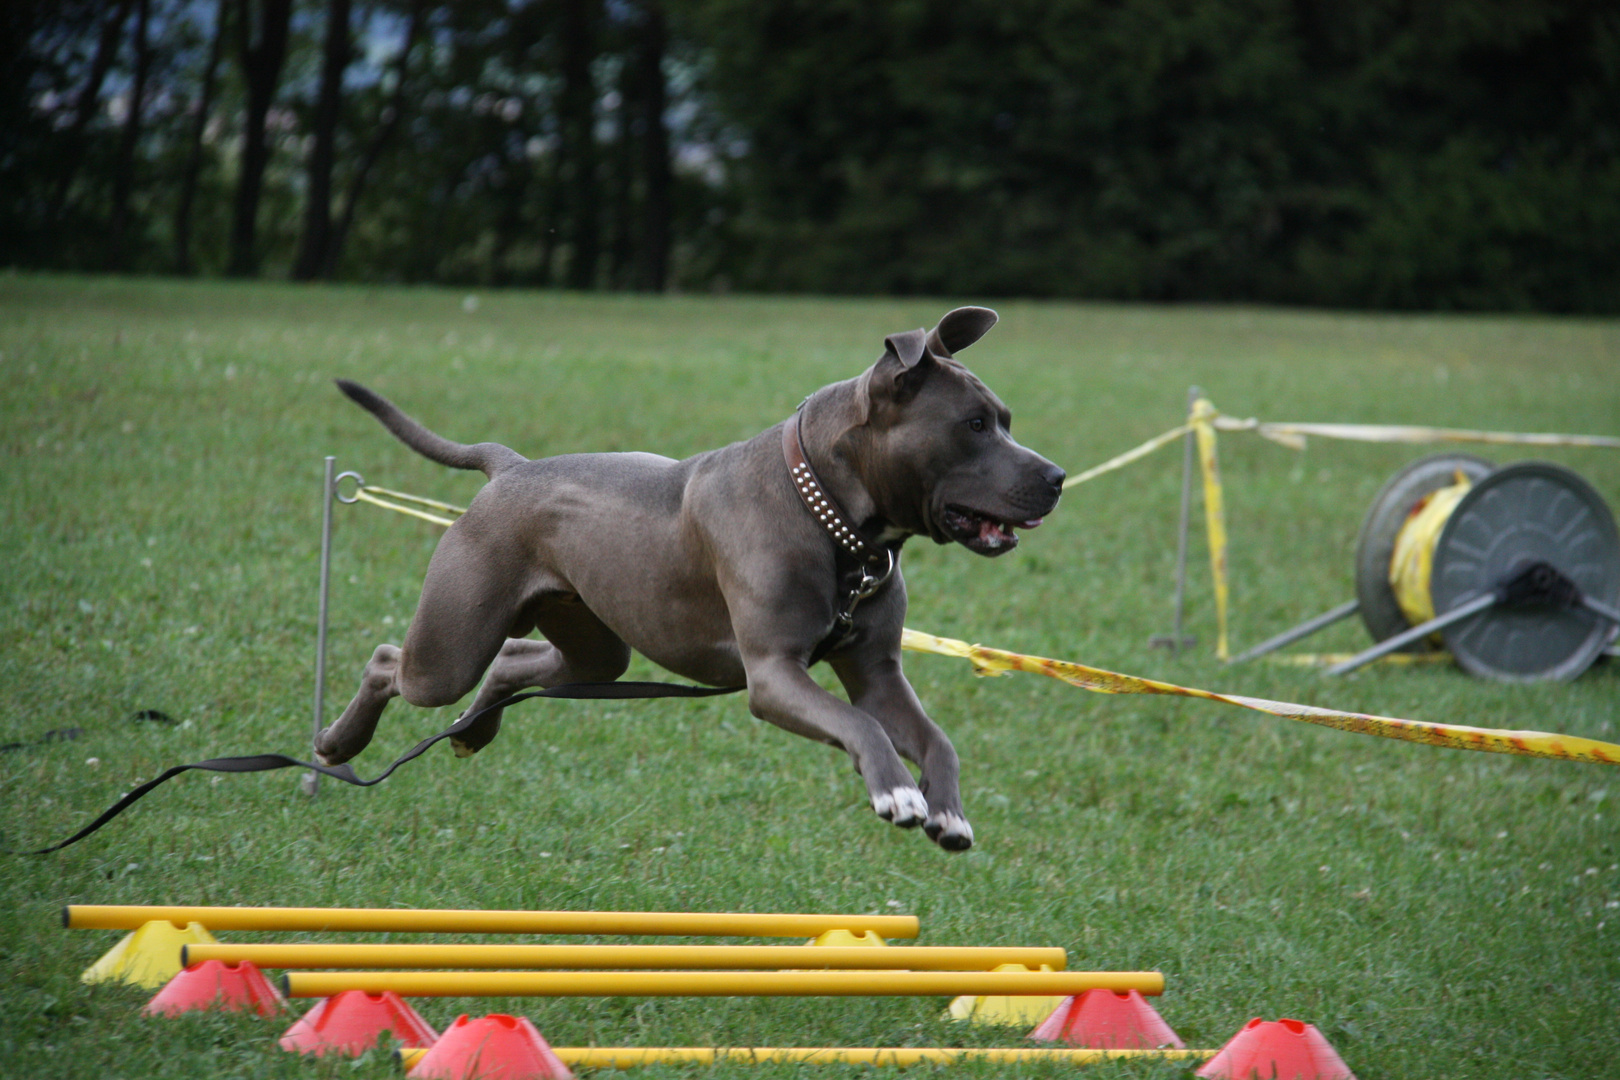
(124, 166)
(262, 29)
(314, 253)
(576, 117)
(87, 101)
(653, 264)
(388, 122)
(204, 104)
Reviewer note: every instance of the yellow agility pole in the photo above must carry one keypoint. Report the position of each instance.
(734, 957)
(414, 921)
(988, 661)
(304, 984)
(629, 1057)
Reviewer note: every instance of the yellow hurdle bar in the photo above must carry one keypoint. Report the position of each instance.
(411, 921)
(760, 957)
(300, 984)
(628, 1057)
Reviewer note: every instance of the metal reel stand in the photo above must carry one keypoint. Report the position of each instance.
(1526, 573)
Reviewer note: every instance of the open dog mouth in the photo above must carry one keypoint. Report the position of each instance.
(982, 533)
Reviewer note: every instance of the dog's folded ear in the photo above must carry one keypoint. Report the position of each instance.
(907, 347)
(898, 373)
(959, 329)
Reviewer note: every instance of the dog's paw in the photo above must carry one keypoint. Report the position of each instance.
(329, 756)
(906, 807)
(463, 749)
(950, 831)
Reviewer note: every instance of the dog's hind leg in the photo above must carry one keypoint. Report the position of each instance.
(349, 734)
(472, 601)
(580, 649)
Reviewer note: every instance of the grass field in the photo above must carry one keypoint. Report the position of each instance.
(1436, 913)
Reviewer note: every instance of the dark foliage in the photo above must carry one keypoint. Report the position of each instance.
(1456, 154)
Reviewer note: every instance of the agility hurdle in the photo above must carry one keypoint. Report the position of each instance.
(428, 921)
(629, 1057)
(744, 957)
(297, 984)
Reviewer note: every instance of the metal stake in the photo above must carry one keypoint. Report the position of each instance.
(1303, 630)
(1416, 633)
(310, 782)
(1176, 642)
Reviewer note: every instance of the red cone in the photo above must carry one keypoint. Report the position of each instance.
(494, 1047)
(1108, 1020)
(1277, 1050)
(214, 984)
(354, 1021)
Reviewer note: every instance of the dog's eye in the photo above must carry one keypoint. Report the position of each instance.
(976, 424)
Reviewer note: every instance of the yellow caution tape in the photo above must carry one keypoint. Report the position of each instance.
(988, 661)
(1202, 421)
(1293, 434)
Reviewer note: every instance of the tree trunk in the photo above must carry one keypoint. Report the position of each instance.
(621, 216)
(317, 238)
(576, 108)
(262, 47)
(655, 163)
(387, 123)
(194, 157)
(124, 165)
(89, 97)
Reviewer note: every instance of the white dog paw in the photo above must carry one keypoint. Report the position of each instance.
(906, 807)
(461, 748)
(950, 831)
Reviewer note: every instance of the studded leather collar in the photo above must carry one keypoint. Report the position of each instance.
(820, 504)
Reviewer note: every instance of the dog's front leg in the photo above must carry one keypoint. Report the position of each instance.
(781, 691)
(878, 687)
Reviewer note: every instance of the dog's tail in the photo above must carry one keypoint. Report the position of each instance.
(490, 458)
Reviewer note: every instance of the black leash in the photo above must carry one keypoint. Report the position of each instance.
(265, 762)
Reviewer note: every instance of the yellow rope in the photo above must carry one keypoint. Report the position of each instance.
(449, 508)
(1398, 659)
(1128, 456)
(364, 495)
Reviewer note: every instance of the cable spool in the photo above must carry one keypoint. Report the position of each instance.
(1392, 517)
(1515, 571)
(1537, 522)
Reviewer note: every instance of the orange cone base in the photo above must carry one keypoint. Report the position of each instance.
(354, 1021)
(214, 984)
(1280, 1049)
(494, 1047)
(1108, 1020)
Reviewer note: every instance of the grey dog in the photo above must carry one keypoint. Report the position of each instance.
(741, 566)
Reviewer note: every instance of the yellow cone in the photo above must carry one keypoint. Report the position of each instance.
(149, 956)
(1003, 1011)
(843, 939)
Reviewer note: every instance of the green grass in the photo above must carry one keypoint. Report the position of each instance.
(1435, 913)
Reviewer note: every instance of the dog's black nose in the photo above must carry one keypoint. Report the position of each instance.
(1055, 476)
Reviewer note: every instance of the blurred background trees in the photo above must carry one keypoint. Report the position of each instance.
(1452, 154)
